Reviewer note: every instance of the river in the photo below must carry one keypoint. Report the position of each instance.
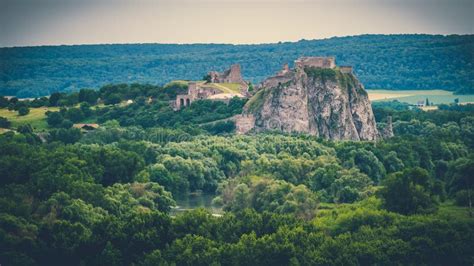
(194, 201)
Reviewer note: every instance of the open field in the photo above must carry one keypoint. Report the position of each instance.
(412, 96)
(377, 96)
(36, 117)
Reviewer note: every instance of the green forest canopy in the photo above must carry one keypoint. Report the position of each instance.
(380, 61)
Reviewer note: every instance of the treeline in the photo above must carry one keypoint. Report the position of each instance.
(109, 95)
(131, 105)
(380, 61)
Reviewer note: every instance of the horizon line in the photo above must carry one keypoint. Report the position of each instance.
(237, 44)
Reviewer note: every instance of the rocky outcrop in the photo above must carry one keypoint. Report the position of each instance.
(244, 123)
(386, 129)
(324, 102)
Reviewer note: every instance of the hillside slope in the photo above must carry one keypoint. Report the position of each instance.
(380, 61)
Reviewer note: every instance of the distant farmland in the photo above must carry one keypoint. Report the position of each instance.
(412, 96)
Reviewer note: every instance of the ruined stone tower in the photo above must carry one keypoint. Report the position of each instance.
(231, 75)
(235, 75)
(192, 90)
(285, 69)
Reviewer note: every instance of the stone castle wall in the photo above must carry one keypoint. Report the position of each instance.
(285, 74)
(320, 62)
(195, 92)
(182, 100)
(232, 75)
(273, 82)
(346, 69)
(284, 70)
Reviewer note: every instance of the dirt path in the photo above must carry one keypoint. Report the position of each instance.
(215, 121)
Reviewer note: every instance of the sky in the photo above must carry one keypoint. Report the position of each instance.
(57, 22)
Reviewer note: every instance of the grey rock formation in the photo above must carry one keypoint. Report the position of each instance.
(386, 130)
(325, 102)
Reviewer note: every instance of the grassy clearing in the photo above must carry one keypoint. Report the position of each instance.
(233, 88)
(449, 210)
(255, 103)
(177, 82)
(36, 118)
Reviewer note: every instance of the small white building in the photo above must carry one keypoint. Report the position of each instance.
(420, 103)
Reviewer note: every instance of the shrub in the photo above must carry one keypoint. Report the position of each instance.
(23, 111)
(4, 123)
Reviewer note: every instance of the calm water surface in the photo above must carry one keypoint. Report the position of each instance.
(194, 201)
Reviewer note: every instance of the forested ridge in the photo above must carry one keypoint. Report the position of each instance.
(380, 61)
(103, 197)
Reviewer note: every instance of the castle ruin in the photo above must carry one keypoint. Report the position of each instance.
(232, 75)
(282, 76)
(284, 70)
(212, 89)
(246, 122)
(319, 62)
(346, 69)
(194, 93)
(285, 74)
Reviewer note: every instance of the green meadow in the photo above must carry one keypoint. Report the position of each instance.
(36, 117)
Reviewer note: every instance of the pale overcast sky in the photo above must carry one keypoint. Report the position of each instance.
(44, 22)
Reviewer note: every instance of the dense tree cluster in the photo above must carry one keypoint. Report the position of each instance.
(149, 107)
(104, 197)
(160, 114)
(4, 123)
(381, 61)
(108, 94)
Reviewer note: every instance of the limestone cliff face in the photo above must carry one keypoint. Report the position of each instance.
(322, 102)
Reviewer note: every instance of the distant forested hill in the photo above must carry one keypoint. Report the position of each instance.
(380, 61)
